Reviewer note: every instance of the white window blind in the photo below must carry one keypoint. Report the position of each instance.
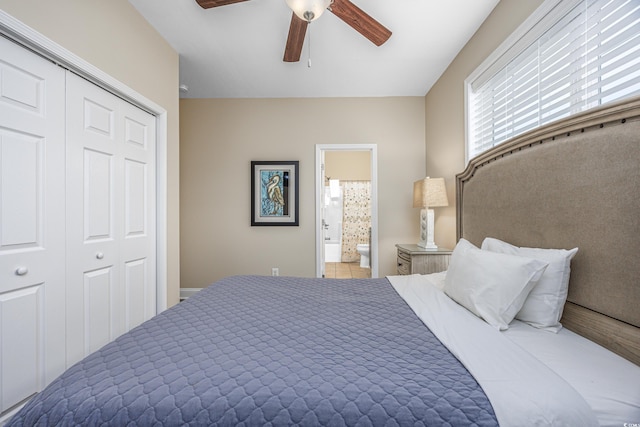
(589, 54)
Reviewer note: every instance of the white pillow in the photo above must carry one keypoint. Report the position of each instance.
(491, 285)
(543, 307)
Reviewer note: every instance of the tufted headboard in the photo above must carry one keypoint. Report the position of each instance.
(572, 183)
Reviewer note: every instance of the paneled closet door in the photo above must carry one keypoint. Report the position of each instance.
(32, 240)
(110, 217)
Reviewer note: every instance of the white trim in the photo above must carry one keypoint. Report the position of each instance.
(4, 419)
(188, 292)
(467, 120)
(162, 205)
(548, 13)
(373, 149)
(17, 31)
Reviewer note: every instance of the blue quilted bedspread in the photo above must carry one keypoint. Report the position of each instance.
(253, 350)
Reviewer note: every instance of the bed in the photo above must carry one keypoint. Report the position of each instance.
(406, 350)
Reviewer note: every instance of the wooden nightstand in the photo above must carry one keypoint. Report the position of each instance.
(412, 259)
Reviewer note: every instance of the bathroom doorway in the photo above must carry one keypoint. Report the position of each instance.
(346, 211)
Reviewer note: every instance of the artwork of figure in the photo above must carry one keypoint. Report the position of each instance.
(273, 192)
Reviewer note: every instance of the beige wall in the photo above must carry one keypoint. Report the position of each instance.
(114, 37)
(348, 165)
(219, 138)
(444, 106)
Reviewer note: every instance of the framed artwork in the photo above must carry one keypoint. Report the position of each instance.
(274, 193)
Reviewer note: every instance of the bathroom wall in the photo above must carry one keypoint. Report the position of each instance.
(348, 165)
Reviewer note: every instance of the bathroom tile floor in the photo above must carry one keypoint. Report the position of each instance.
(344, 270)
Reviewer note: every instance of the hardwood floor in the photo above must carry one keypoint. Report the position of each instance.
(343, 270)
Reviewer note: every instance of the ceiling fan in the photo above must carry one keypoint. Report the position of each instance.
(305, 11)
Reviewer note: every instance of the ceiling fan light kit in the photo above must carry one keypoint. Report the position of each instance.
(305, 11)
(308, 10)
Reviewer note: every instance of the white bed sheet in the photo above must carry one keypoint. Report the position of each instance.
(609, 383)
(521, 389)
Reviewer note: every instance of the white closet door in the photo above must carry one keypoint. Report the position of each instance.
(32, 240)
(110, 217)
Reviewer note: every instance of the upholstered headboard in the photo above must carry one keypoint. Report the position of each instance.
(573, 183)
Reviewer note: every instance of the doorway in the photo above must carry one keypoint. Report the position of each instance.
(361, 182)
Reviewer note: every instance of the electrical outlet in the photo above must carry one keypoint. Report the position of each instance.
(275, 271)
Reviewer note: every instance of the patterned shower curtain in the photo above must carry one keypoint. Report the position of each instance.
(356, 217)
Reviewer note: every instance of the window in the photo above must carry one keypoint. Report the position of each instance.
(571, 55)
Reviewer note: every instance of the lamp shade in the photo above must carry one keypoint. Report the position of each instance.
(308, 10)
(430, 192)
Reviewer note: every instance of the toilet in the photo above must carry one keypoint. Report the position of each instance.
(363, 250)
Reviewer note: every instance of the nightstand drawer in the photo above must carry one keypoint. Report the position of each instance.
(405, 256)
(404, 265)
(415, 260)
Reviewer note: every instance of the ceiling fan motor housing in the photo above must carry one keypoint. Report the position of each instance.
(308, 10)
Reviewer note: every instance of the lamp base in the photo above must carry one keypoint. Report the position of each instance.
(427, 230)
(426, 245)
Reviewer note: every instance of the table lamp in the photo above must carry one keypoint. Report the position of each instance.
(428, 193)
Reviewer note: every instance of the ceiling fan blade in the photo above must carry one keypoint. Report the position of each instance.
(207, 4)
(360, 21)
(295, 40)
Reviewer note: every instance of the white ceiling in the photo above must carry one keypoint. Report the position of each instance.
(236, 51)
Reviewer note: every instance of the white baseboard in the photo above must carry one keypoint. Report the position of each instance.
(187, 292)
(4, 419)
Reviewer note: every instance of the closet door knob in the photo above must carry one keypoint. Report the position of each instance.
(99, 255)
(21, 271)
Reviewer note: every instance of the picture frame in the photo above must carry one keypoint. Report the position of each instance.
(274, 193)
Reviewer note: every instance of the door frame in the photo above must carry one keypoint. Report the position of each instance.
(319, 184)
(29, 38)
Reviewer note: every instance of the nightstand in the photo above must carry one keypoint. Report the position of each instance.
(412, 259)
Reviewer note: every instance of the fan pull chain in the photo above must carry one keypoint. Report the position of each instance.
(309, 43)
